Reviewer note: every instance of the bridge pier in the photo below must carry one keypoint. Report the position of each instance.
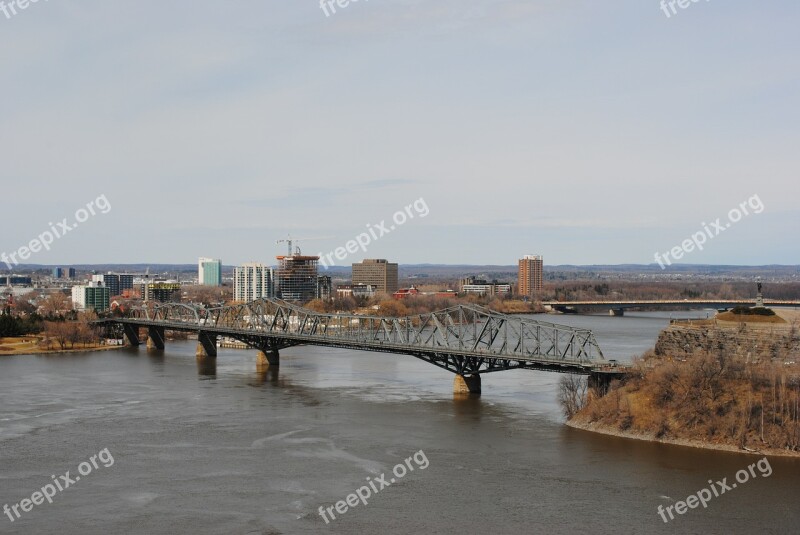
(206, 345)
(155, 338)
(600, 382)
(132, 334)
(206, 366)
(267, 358)
(467, 385)
(619, 312)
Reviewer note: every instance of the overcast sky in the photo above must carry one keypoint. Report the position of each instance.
(585, 131)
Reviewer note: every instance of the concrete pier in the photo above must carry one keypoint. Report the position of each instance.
(268, 358)
(132, 334)
(467, 385)
(206, 345)
(155, 338)
(206, 366)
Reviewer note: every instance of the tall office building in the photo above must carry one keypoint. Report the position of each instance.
(58, 273)
(115, 282)
(378, 273)
(70, 273)
(209, 272)
(253, 281)
(92, 296)
(297, 277)
(531, 275)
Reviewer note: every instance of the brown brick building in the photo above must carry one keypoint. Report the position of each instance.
(531, 275)
(378, 273)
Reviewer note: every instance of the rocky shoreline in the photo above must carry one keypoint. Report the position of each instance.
(707, 384)
(595, 427)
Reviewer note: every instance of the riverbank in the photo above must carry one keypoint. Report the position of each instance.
(29, 345)
(689, 443)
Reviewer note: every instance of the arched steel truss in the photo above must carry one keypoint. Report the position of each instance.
(463, 339)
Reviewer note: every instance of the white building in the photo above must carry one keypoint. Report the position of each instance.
(356, 290)
(253, 281)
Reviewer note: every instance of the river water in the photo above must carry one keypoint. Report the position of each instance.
(229, 450)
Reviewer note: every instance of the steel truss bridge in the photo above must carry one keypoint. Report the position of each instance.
(465, 340)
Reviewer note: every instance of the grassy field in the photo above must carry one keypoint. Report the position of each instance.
(19, 346)
(28, 345)
(748, 318)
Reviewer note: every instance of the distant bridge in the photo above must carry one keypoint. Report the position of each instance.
(617, 308)
(465, 340)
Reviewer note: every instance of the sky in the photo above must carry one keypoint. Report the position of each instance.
(588, 132)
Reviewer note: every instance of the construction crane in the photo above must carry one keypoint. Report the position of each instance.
(289, 240)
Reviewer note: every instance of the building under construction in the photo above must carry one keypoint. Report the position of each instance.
(297, 277)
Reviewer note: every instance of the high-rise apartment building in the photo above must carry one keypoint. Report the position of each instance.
(209, 272)
(297, 277)
(253, 281)
(92, 296)
(378, 273)
(531, 275)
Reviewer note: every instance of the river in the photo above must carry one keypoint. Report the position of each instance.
(229, 450)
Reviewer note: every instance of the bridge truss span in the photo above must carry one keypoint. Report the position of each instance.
(465, 339)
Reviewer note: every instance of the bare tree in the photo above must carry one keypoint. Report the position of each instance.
(58, 331)
(572, 391)
(55, 304)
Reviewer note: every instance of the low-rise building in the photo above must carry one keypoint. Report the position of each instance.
(356, 290)
(15, 281)
(471, 285)
(405, 292)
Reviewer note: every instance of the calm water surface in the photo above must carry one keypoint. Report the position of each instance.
(229, 450)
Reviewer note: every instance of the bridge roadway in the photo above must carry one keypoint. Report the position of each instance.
(616, 307)
(465, 340)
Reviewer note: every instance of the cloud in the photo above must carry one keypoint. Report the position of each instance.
(307, 196)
